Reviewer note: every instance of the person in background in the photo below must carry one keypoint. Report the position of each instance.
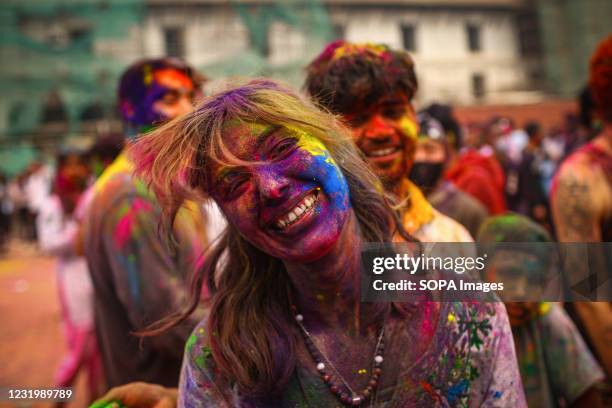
(557, 368)
(57, 231)
(434, 152)
(19, 204)
(6, 210)
(574, 134)
(581, 201)
(100, 155)
(552, 146)
(476, 171)
(104, 151)
(508, 141)
(138, 276)
(532, 197)
(372, 86)
(37, 188)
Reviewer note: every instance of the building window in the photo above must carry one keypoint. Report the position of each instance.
(53, 109)
(174, 39)
(473, 37)
(338, 31)
(529, 34)
(94, 111)
(478, 86)
(81, 37)
(408, 37)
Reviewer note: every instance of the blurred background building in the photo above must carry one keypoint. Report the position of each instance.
(61, 58)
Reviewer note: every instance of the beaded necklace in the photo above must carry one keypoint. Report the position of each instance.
(343, 390)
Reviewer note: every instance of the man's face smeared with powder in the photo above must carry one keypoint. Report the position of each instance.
(386, 132)
(170, 93)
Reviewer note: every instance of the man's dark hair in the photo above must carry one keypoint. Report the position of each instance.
(348, 77)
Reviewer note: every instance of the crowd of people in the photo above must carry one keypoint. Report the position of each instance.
(210, 255)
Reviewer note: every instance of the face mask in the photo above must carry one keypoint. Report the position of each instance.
(426, 175)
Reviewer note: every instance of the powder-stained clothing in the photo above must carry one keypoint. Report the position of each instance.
(556, 366)
(459, 206)
(57, 232)
(447, 354)
(426, 223)
(137, 278)
(481, 176)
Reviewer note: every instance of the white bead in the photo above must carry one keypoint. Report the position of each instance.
(299, 318)
(320, 366)
(356, 400)
(378, 359)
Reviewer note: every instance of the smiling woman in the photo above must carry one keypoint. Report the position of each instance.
(286, 327)
(292, 202)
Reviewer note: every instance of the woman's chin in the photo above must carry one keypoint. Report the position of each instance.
(310, 252)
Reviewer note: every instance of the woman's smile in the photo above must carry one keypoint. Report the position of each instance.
(302, 211)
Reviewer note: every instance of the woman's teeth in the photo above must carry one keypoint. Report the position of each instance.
(297, 212)
(382, 152)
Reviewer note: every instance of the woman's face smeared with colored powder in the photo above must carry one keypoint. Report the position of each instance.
(386, 133)
(291, 204)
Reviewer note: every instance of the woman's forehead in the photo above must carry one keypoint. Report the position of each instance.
(249, 141)
(243, 138)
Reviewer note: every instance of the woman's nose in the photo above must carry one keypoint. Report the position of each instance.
(272, 185)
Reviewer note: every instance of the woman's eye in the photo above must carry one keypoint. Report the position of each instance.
(237, 183)
(282, 149)
(234, 183)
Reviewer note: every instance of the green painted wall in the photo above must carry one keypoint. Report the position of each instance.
(570, 32)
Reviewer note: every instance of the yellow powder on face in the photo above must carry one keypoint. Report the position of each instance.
(409, 127)
(311, 144)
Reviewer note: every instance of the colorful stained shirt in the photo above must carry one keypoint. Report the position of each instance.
(426, 223)
(137, 278)
(556, 366)
(445, 354)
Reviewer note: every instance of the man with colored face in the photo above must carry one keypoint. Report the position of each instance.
(138, 278)
(371, 87)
